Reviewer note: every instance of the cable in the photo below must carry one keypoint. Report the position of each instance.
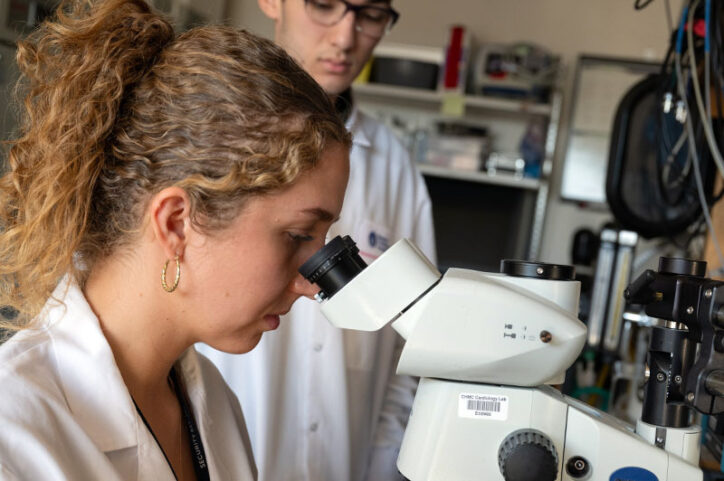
(669, 21)
(708, 131)
(707, 121)
(707, 59)
(667, 185)
(690, 129)
(640, 6)
(670, 159)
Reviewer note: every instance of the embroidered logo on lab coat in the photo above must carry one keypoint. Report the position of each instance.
(378, 241)
(372, 239)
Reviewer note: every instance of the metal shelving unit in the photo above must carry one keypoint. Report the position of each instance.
(473, 102)
(477, 109)
(481, 177)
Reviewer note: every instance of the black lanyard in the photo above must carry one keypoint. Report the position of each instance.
(197, 448)
(198, 455)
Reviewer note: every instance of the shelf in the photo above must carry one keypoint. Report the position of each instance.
(388, 92)
(481, 177)
(401, 93)
(504, 105)
(590, 133)
(525, 198)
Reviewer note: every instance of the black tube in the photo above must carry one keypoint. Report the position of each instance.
(670, 350)
(333, 266)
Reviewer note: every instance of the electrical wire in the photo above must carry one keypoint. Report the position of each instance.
(671, 151)
(708, 131)
(661, 93)
(707, 60)
(689, 126)
(640, 6)
(670, 159)
(675, 191)
(685, 146)
(669, 21)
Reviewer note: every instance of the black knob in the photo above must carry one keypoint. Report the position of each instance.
(578, 467)
(682, 267)
(537, 270)
(528, 455)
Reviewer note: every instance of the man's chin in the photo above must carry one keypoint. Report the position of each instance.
(334, 87)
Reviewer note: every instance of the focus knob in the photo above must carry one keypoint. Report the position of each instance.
(528, 455)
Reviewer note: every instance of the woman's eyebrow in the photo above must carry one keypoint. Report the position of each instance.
(321, 214)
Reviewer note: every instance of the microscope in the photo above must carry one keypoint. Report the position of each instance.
(488, 346)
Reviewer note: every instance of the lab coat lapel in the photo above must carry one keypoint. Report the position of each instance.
(95, 391)
(91, 381)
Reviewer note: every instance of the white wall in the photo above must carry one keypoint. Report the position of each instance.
(213, 10)
(567, 27)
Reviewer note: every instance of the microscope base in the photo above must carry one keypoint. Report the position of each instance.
(456, 429)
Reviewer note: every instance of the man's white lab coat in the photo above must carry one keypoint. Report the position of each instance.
(65, 413)
(317, 398)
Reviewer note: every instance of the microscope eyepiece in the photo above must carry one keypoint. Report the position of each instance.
(537, 270)
(333, 266)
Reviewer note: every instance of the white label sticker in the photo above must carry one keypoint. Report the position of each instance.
(483, 406)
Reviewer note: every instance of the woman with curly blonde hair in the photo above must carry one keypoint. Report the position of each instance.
(163, 190)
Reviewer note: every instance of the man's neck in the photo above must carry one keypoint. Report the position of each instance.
(343, 104)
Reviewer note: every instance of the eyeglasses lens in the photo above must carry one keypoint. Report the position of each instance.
(370, 20)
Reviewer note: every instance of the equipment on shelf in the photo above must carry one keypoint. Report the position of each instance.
(457, 58)
(454, 145)
(402, 65)
(520, 71)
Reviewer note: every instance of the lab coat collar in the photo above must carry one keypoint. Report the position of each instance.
(355, 124)
(195, 388)
(90, 379)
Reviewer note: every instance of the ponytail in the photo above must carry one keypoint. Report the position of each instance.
(75, 73)
(117, 109)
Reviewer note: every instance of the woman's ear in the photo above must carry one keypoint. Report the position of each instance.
(170, 218)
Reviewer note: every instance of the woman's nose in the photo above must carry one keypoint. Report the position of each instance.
(303, 287)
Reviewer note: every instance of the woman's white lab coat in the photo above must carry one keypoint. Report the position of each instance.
(65, 413)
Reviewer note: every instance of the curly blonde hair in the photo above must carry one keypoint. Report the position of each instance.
(117, 108)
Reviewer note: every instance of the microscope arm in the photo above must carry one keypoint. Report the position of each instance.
(682, 295)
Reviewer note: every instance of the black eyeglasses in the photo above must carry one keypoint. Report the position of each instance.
(369, 19)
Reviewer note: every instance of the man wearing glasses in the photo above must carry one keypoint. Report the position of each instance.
(323, 404)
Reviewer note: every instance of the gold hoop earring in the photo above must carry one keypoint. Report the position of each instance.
(175, 281)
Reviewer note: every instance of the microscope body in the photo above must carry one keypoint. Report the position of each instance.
(447, 440)
(485, 345)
